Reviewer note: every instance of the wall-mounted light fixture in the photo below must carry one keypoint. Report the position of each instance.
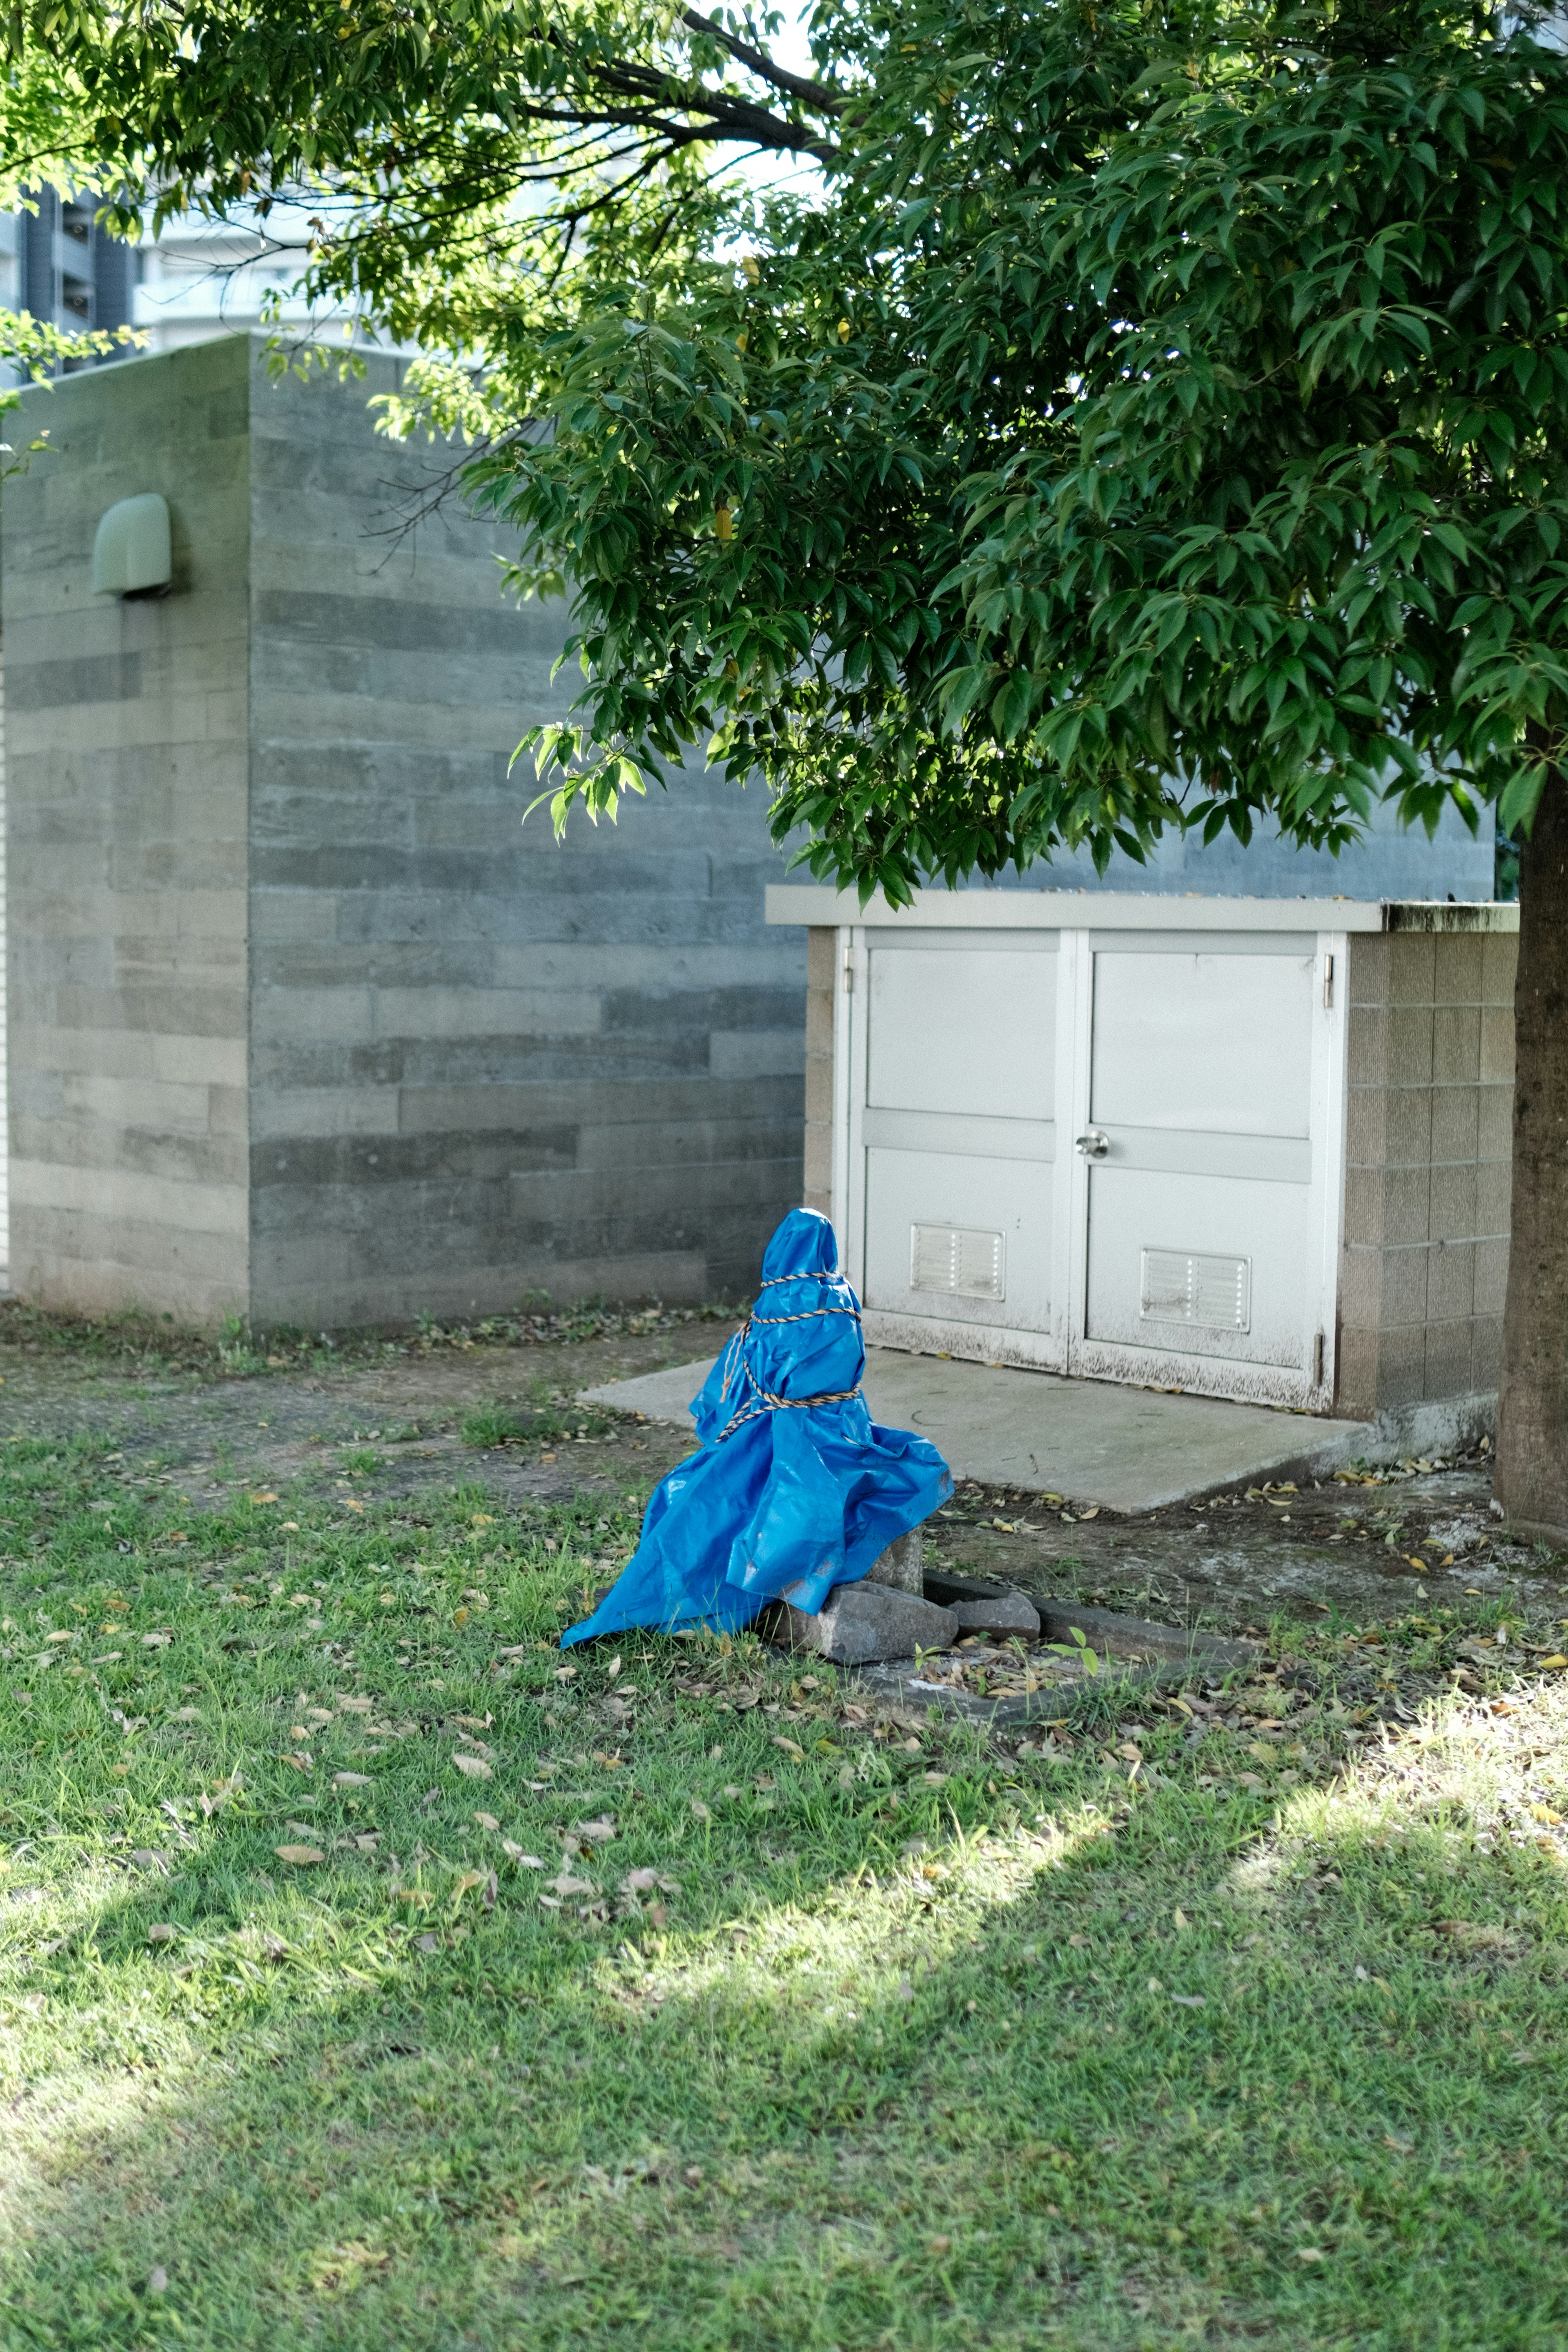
(131, 553)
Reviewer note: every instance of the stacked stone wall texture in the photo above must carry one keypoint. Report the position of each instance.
(1428, 1145)
(305, 1022)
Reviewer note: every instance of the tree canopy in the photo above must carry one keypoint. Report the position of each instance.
(1147, 418)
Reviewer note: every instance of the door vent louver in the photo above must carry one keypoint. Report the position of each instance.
(959, 1259)
(1180, 1286)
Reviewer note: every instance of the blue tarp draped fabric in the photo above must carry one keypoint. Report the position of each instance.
(795, 1488)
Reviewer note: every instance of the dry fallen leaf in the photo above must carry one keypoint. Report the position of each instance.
(351, 1779)
(299, 1853)
(1471, 1933)
(162, 1932)
(701, 1810)
(300, 1763)
(598, 1831)
(790, 1746)
(356, 1705)
(487, 1820)
(514, 1852)
(264, 1495)
(474, 1766)
(568, 1886)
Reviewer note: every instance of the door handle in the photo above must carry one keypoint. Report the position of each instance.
(1094, 1143)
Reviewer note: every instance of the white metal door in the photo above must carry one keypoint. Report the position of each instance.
(952, 1210)
(1205, 1233)
(1191, 1242)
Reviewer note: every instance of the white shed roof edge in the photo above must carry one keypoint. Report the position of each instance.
(1094, 910)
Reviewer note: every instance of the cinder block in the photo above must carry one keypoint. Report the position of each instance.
(1495, 1061)
(1401, 1367)
(1452, 1282)
(1366, 1124)
(1449, 1360)
(1407, 1205)
(1494, 1198)
(1367, 1046)
(1408, 1126)
(1360, 1287)
(1455, 1113)
(1500, 968)
(1494, 1122)
(1456, 975)
(1411, 968)
(1403, 1278)
(1456, 1044)
(1367, 953)
(1453, 1205)
(1409, 1046)
(1355, 1374)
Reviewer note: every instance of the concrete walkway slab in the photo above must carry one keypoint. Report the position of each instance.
(1093, 1440)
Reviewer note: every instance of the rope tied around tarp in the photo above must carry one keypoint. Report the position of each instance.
(736, 1360)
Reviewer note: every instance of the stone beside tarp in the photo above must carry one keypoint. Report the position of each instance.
(1132, 1650)
(861, 1624)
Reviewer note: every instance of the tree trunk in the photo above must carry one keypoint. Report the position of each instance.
(1533, 1407)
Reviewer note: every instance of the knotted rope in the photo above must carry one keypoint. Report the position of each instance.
(737, 1360)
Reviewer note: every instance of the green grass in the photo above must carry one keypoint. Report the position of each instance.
(822, 2051)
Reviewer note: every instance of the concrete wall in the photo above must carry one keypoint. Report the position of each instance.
(463, 1062)
(128, 731)
(1387, 862)
(1429, 1132)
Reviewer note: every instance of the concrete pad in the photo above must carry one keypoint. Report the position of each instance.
(1093, 1440)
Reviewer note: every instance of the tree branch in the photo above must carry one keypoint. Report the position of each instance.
(810, 93)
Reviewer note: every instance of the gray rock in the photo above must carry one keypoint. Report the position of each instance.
(862, 1622)
(948, 1589)
(1006, 1611)
(899, 1565)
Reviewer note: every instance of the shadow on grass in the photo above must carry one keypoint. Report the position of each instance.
(1088, 2070)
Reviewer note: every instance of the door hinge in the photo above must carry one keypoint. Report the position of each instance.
(1318, 1361)
(1328, 981)
(848, 972)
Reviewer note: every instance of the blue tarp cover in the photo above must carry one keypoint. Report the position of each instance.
(794, 1489)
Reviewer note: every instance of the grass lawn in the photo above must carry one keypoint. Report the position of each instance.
(370, 1978)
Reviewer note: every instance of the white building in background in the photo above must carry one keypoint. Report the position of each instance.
(198, 279)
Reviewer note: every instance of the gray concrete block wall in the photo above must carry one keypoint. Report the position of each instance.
(484, 1063)
(1428, 1168)
(306, 1021)
(129, 771)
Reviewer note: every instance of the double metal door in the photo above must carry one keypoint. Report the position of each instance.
(1109, 1153)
